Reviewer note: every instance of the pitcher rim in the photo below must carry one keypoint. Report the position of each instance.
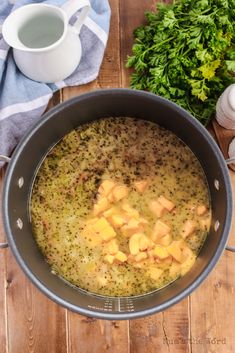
(42, 49)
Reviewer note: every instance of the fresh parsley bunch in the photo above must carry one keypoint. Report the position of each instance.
(186, 53)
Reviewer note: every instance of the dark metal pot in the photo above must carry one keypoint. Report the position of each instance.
(47, 132)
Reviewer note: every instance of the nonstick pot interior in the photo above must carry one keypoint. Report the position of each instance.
(51, 128)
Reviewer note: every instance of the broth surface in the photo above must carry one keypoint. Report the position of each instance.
(148, 164)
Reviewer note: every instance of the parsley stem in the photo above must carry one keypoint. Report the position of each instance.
(157, 45)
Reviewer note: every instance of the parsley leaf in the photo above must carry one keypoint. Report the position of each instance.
(186, 53)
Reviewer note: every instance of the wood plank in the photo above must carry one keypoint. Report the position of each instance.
(211, 130)
(90, 335)
(3, 316)
(224, 137)
(212, 306)
(36, 324)
(56, 99)
(96, 336)
(168, 331)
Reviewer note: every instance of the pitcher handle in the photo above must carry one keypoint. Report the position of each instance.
(71, 7)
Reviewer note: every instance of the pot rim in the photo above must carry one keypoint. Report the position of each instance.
(185, 291)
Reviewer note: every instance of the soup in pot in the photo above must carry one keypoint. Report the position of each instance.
(120, 207)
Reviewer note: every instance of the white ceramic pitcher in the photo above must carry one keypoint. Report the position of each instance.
(45, 47)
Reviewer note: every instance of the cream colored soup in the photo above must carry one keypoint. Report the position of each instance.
(120, 207)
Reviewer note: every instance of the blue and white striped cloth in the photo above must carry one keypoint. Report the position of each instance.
(23, 101)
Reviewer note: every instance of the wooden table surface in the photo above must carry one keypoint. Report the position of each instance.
(203, 322)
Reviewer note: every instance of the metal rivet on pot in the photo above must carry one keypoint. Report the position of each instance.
(216, 183)
(216, 226)
(19, 223)
(21, 182)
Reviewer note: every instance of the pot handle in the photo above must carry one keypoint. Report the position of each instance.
(7, 160)
(230, 161)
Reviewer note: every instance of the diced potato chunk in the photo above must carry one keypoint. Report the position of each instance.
(106, 187)
(205, 223)
(150, 253)
(100, 224)
(119, 192)
(91, 221)
(154, 273)
(103, 229)
(101, 206)
(166, 240)
(143, 221)
(141, 256)
(160, 230)
(141, 185)
(108, 233)
(144, 242)
(132, 227)
(92, 239)
(120, 256)
(175, 250)
(130, 211)
(111, 247)
(150, 261)
(117, 220)
(164, 263)
(130, 258)
(109, 258)
(187, 264)
(157, 208)
(201, 210)
(168, 260)
(187, 252)
(89, 233)
(166, 203)
(160, 252)
(134, 243)
(188, 228)
(110, 212)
